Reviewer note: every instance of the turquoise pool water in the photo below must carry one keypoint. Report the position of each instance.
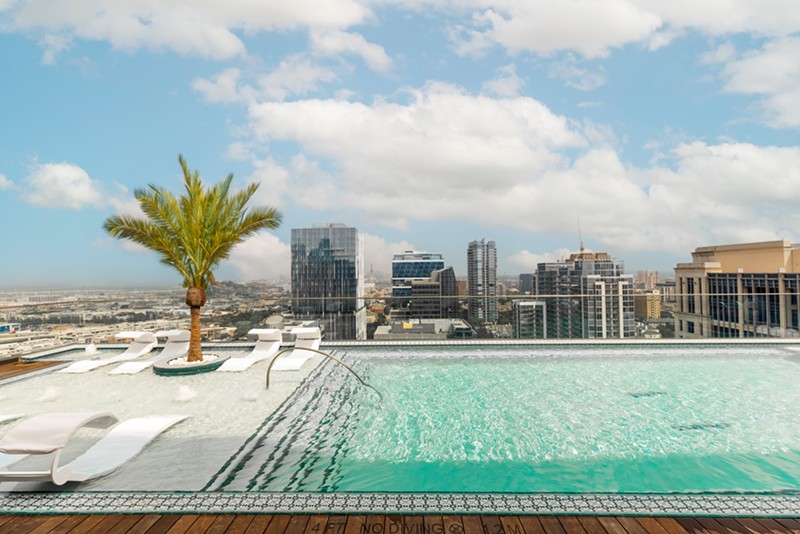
(566, 419)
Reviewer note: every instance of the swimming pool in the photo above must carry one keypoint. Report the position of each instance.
(622, 419)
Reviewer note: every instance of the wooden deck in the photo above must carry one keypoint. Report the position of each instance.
(11, 368)
(387, 524)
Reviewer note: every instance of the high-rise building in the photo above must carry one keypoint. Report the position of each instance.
(482, 281)
(435, 297)
(526, 283)
(742, 290)
(409, 266)
(529, 319)
(327, 279)
(588, 296)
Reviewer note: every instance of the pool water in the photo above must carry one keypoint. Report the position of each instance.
(543, 419)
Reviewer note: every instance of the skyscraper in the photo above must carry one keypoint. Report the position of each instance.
(327, 279)
(482, 281)
(587, 296)
(409, 266)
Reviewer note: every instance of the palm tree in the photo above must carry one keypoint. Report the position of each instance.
(193, 233)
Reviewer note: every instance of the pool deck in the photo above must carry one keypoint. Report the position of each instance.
(389, 524)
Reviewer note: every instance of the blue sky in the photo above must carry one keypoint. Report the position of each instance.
(425, 124)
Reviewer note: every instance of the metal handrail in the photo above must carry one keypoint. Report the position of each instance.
(337, 360)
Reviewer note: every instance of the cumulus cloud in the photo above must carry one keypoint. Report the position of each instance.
(529, 260)
(772, 73)
(206, 28)
(378, 253)
(575, 76)
(445, 154)
(506, 83)
(294, 75)
(590, 28)
(334, 43)
(61, 185)
(5, 183)
(262, 256)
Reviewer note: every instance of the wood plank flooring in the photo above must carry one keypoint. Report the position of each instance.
(387, 524)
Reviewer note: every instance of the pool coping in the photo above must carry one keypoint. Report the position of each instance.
(717, 505)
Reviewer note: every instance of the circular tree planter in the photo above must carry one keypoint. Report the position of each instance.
(178, 367)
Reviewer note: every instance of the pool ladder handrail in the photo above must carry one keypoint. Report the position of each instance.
(337, 360)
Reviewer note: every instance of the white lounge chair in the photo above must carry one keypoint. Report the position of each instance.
(268, 344)
(305, 338)
(177, 345)
(143, 342)
(49, 434)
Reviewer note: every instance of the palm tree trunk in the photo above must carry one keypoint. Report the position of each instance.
(195, 299)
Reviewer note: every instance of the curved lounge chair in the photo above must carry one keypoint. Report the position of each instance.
(269, 341)
(304, 338)
(177, 345)
(49, 434)
(143, 342)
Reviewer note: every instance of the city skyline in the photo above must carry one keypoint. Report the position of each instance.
(641, 129)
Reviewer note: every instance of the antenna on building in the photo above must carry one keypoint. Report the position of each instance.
(580, 235)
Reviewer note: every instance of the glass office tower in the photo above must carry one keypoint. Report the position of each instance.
(327, 279)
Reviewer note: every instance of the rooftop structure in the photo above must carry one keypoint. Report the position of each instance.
(740, 290)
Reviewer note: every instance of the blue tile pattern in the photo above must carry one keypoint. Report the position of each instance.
(731, 505)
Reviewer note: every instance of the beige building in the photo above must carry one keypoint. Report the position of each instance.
(647, 304)
(744, 290)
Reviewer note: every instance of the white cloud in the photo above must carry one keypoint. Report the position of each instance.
(772, 73)
(390, 155)
(529, 260)
(61, 185)
(378, 253)
(510, 162)
(294, 75)
(506, 83)
(721, 17)
(591, 27)
(575, 76)
(273, 182)
(53, 45)
(335, 43)
(5, 183)
(206, 28)
(223, 87)
(262, 256)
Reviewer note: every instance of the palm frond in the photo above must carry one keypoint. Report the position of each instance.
(197, 231)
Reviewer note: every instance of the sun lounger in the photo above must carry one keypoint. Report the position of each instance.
(177, 345)
(269, 341)
(49, 434)
(305, 338)
(143, 342)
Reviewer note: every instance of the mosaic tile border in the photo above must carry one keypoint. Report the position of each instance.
(731, 505)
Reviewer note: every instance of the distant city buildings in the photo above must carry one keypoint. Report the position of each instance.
(741, 290)
(482, 281)
(526, 283)
(529, 319)
(328, 278)
(410, 266)
(647, 304)
(586, 296)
